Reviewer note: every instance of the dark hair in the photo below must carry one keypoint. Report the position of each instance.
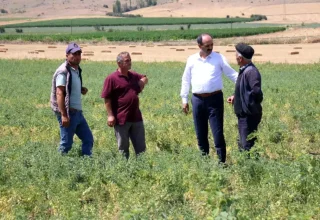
(199, 38)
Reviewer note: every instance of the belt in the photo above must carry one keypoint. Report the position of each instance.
(74, 110)
(204, 95)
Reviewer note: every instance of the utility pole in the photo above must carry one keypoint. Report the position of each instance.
(71, 25)
(284, 10)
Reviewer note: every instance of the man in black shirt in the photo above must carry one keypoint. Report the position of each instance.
(247, 97)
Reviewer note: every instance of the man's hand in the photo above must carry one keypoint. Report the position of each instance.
(111, 121)
(84, 90)
(185, 108)
(65, 121)
(142, 82)
(230, 99)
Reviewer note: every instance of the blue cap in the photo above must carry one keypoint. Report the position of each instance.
(72, 48)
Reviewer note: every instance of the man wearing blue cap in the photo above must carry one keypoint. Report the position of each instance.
(66, 102)
(247, 97)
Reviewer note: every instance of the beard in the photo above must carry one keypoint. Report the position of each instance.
(75, 62)
(207, 51)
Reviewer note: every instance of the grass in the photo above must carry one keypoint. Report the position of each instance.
(134, 36)
(126, 21)
(171, 180)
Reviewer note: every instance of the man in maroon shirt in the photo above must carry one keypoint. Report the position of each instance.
(120, 93)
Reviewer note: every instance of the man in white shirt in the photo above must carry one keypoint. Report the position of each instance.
(204, 72)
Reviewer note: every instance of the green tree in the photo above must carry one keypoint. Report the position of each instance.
(117, 7)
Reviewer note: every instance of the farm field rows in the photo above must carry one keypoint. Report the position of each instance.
(134, 36)
(151, 52)
(127, 21)
(86, 29)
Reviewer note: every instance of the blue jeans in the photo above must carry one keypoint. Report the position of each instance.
(204, 109)
(79, 126)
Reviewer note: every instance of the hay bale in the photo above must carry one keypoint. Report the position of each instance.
(112, 47)
(1, 45)
(88, 54)
(33, 52)
(179, 49)
(52, 47)
(193, 48)
(3, 51)
(294, 53)
(217, 51)
(297, 48)
(132, 46)
(258, 54)
(149, 45)
(136, 53)
(39, 51)
(230, 45)
(315, 41)
(230, 51)
(106, 51)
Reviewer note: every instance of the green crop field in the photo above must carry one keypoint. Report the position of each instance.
(127, 21)
(87, 29)
(171, 180)
(140, 35)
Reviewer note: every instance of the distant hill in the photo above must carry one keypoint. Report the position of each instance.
(295, 10)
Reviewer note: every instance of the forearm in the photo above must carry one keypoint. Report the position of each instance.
(61, 104)
(185, 85)
(107, 103)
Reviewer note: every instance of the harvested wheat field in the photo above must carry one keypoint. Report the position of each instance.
(275, 53)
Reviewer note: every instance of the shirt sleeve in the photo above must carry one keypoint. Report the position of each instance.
(107, 88)
(228, 70)
(254, 80)
(61, 80)
(186, 81)
(138, 76)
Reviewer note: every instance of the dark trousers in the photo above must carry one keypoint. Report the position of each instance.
(135, 132)
(204, 109)
(246, 125)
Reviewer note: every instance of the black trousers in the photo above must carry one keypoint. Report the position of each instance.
(247, 124)
(209, 109)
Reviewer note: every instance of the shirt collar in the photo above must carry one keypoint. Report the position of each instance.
(245, 66)
(121, 75)
(208, 57)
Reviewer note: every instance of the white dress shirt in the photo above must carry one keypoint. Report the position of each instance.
(205, 74)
